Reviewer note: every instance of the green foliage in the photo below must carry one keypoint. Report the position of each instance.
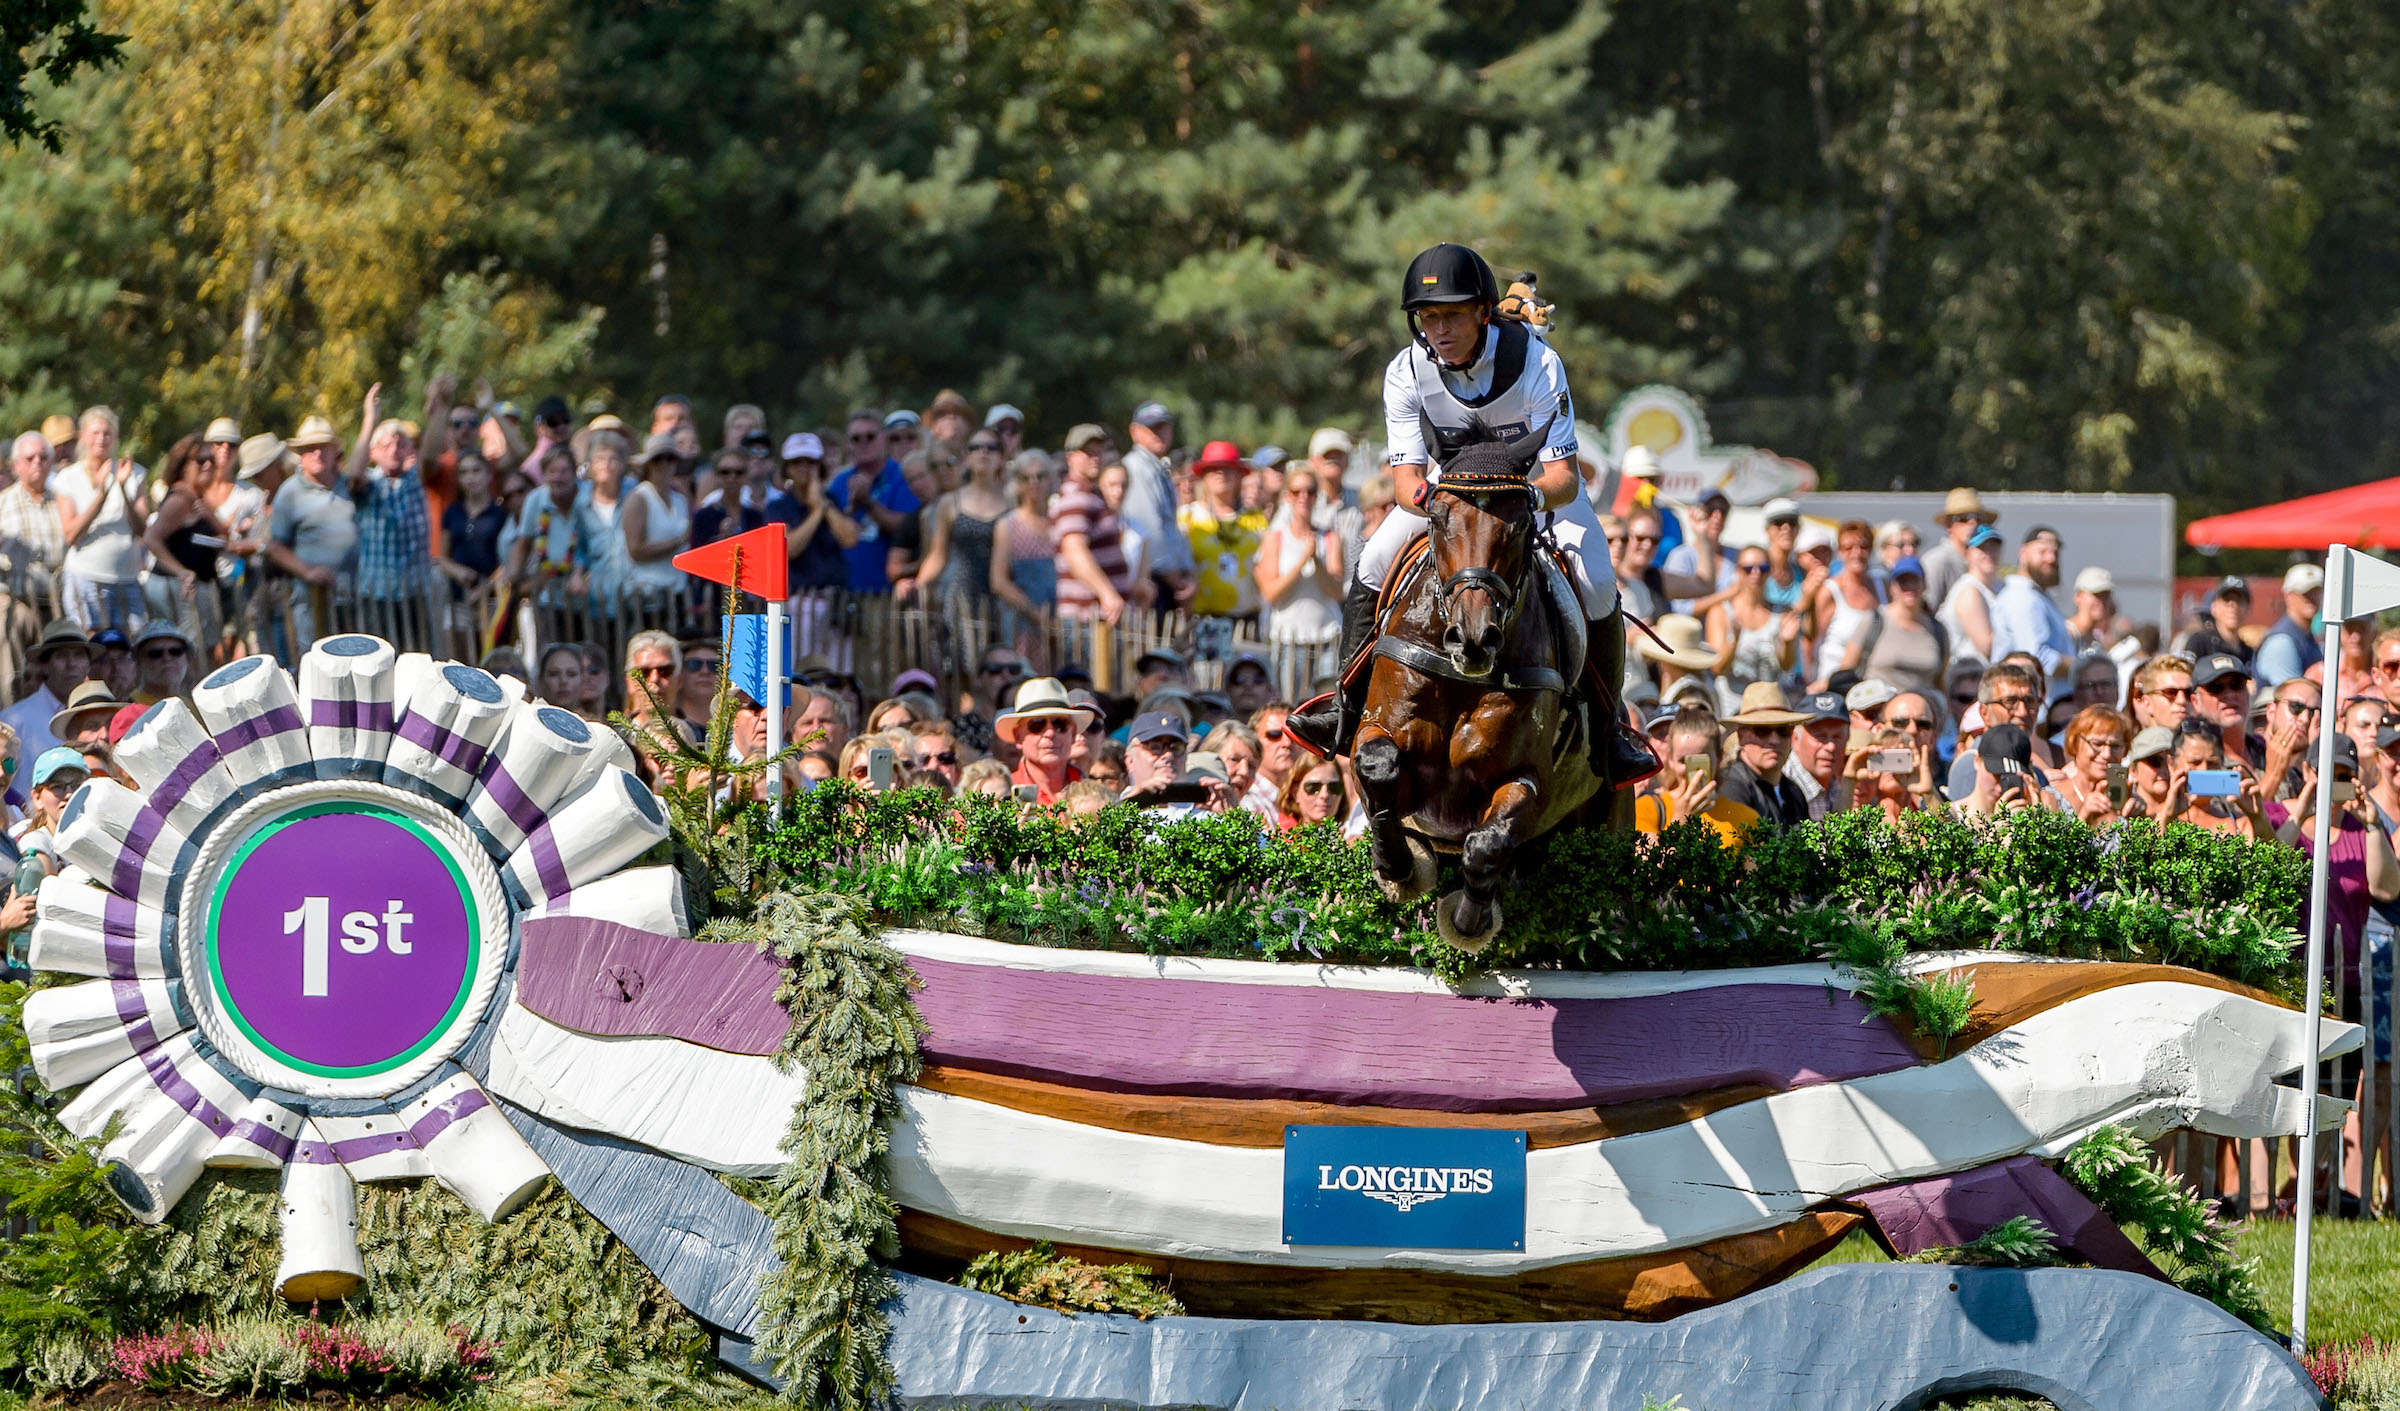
(2116, 1172)
(1042, 1275)
(1853, 888)
(51, 39)
(855, 1033)
(2018, 1242)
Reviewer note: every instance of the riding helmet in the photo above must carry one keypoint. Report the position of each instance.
(1448, 274)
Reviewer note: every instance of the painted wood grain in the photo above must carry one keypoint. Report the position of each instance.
(600, 977)
(2151, 1056)
(1225, 1121)
(1648, 1287)
(706, 1244)
(1448, 1053)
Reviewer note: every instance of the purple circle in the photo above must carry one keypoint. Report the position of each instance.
(342, 939)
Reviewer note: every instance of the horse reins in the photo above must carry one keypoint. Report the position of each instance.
(1506, 595)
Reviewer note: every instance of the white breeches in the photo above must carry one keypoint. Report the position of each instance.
(1574, 524)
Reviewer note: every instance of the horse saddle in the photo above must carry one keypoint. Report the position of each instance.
(1566, 618)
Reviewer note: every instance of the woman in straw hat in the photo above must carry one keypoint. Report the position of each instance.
(1685, 663)
(1946, 562)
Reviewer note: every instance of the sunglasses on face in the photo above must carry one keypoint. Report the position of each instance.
(983, 445)
(1768, 732)
(162, 654)
(2173, 693)
(1321, 786)
(1044, 724)
(704, 665)
(2298, 709)
(1273, 734)
(1750, 568)
(945, 758)
(1641, 538)
(2392, 665)
(2016, 702)
(2230, 686)
(654, 673)
(860, 438)
(1908, 722)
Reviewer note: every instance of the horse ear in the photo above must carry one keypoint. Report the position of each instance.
(1529, 450)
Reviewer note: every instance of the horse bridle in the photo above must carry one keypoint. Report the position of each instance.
(1510, 597)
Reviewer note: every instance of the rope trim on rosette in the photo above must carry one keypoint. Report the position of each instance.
(855, 1034)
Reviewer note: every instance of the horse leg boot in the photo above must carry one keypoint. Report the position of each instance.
(1329, 723)
(1620, 757)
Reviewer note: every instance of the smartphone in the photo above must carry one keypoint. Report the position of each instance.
(1184, 791)
(2214, 784)
(1698, 767)
(2118, 789)
(2344, 790)
(1892, 762)
(1027, 793)
(880, 766)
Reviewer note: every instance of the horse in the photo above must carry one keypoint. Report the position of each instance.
(1467, 743)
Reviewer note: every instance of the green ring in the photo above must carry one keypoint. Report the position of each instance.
(233, 867)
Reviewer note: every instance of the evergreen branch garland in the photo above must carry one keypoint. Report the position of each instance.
(854, 1033)
(1041, 1275)
(2116, 1172)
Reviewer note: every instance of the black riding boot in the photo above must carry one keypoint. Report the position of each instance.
(1328, 723)
(1623, 757)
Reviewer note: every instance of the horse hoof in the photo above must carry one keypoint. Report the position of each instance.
(1423, 867)
(1445, 923)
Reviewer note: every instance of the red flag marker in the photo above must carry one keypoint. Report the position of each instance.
(765, 561)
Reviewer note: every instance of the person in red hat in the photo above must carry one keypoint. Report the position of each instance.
(1223, 535)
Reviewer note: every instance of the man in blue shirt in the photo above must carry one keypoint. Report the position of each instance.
(2023, 617)
(880, 501)
(2289, 649)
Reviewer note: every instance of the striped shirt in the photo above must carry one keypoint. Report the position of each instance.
(32, 542)
(1079, 510)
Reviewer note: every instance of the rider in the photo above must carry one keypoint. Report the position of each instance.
(1464, 366)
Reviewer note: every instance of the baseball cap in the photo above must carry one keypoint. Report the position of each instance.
(2304, 578)
(2216, 666)
(1823, 705)
(1000, 412)
(1206, 766)
(2005, 749)
(756, 439)
(2044, 531)
(803, 445)
(1083, 434)
(1269, 457)
(1659, 717)
(1985, 536)
(1330, 438)
(1168, 655)
(1781, 507)
(2387, 736)
(902, 417)
(1152, 414)
(2095, 580)
(1158, 725)
(57, 759)
(1714, 500)
(2345, 751)
(1908, 566)
(916, 676)
(1642, 463)
(2156, 740)
(2232, 585)
(1869, 694)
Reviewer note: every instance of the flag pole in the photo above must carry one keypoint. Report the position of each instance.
(2318, 877)
(776, 667)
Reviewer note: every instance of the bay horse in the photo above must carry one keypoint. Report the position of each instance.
(1467, 743)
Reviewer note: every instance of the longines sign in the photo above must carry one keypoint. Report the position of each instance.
(1404, 1187)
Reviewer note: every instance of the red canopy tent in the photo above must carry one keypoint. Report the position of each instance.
(2362, 516)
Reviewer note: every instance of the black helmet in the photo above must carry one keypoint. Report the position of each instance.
(1448, 274)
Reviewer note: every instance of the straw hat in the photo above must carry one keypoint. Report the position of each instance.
(259, 452)
(1964, 503)
(223, 430)
(315, 431)
(1685, 646)
(1763, 703)
(1042, 696)
(87, 698)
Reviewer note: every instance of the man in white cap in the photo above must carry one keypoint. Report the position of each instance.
(2095, 610)
(1329, 453)
(1149, 508)
(1010, 424)
(2290, 647)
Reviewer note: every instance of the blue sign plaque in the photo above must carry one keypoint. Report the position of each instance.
(1404, 1187)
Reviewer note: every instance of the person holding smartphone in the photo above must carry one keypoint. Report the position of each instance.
(2097, 741)
(2210, 792)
